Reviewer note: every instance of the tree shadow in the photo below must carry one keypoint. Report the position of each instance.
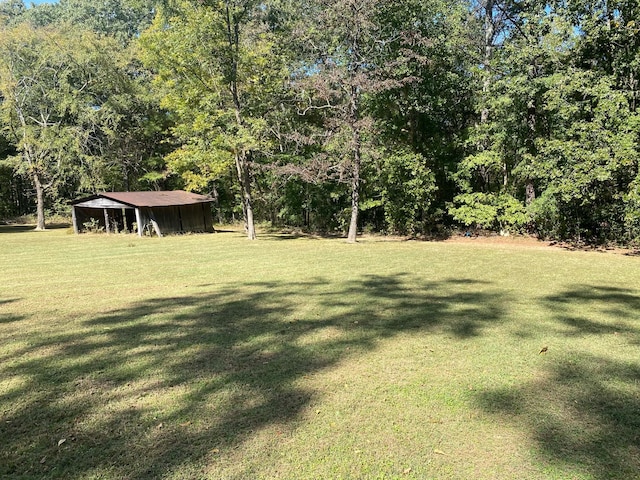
(16, 228)
(298, 234)
(169, 382)
(7, 317)
(600, 303)
(20, 227)
(583, 411)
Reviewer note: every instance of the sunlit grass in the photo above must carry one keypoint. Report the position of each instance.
(208, 356)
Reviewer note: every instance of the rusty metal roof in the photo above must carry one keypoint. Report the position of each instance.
(152, 199)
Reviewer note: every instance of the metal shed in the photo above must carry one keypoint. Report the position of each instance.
(160, 212)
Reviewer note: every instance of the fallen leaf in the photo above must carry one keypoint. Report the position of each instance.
(61, 441)
(406, 471)
(43, 459)
(439, 452)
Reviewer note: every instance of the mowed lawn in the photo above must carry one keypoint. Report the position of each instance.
(212, 357)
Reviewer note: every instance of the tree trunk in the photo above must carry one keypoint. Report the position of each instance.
(489, 37)
(242, 164)
(489, 34)
(355, 192)
(216, 202)
(39, 201)
(530, 142)
(245, 187)
(530, 193)
(356, 151)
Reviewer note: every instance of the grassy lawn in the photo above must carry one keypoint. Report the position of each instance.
(211, 357)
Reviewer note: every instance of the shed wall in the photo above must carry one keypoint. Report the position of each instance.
(186, 218)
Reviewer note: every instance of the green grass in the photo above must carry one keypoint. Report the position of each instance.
(211, 357)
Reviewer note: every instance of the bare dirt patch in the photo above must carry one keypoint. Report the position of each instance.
(523, 241)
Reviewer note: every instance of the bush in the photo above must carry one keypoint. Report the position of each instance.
(489, 211)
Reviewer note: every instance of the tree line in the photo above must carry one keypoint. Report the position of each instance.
(395, 116)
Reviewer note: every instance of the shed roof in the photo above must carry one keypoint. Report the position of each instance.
(150, 199)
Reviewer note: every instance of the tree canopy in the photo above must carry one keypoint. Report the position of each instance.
(411, 117)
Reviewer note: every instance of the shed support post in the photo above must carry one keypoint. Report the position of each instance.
(106, 220)
(124, 220)
(155, 225)
(76, 230)
(156, 228)
(139, 222)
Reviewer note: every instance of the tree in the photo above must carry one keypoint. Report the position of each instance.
(122, 20)
(56, 98)
(346, 52)
(11, 11)
(488, 187)
(219, 74)
(339, 74)
(421, 117)
(546, 136)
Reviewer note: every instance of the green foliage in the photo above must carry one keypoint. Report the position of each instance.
(513, 114)
(546, 216)
(590, 158)
(407, 188)
(59, 90)
(218, 95)
(11, 11)
(489, 211)
(632, 216)
(122, 20)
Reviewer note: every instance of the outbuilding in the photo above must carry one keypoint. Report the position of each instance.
(143, 212)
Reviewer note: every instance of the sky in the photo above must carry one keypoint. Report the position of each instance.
(38, 2)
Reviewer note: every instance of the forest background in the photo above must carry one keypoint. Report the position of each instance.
(404, 117)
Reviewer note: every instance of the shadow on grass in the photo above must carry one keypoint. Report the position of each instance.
(622, 304)
(9, 318)
(584, 411)
(166, 384)
(18, 228)
(4, 301)
(296, 234)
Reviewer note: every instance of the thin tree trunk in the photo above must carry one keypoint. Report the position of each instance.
(39, 202)
(355, 190)
(37, 183)
(242, 164)
(489, 34)
(245, 186)
(532, 122)
(530, 193)
(357, 160)
(216, 202)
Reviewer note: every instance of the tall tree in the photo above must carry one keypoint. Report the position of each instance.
(123, 20)
(423, 114)
(56, 90)
(219, 74)
(345, 49)
(11, 11)
(590, 160)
